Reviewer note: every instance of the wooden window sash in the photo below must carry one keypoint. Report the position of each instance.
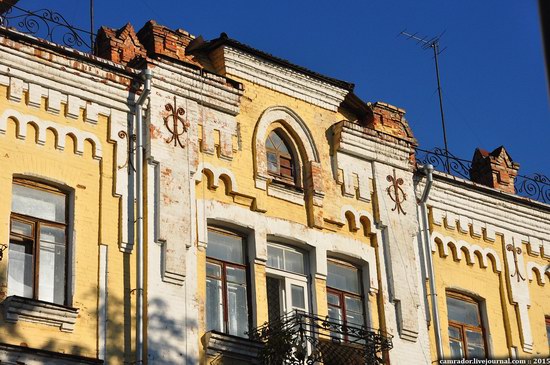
(464, 326)
(224, 265)
(286, 169)
(36, 226)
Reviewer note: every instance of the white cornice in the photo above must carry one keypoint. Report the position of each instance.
(282, 79)
(88, 82)
(209, 90)
(463, 207)
(358, 143)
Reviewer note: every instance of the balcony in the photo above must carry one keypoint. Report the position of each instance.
(299, 338)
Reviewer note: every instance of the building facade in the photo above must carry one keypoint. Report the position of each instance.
(210, 203)
(66, 267)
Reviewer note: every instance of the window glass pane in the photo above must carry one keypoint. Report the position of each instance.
(335, 314)
(273, 298)
(268, 143)
(355, 319)
(456, 349)
(225, 247)
(354, 304)
(455, 333)
(548, 331)
(20, 269)
(297, 294)
(51, 272)
(275, 257)
(476, 347)
(463, 312)
(214, 305)
(272, 162)
(38, 203)
(22, 228)
(214, 270)
(294, 262)
(283, 148)
(343, 278)
(237, 310)
(333, 299)
(52, 234)
(236, 275)
(277, 141)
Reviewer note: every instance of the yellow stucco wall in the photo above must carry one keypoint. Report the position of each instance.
(502, 327)
(255, 101)
(95, 222)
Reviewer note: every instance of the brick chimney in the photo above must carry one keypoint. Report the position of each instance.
(162, 41)
(125, 46)
(496, 169)
(119, 45)
(391, 120)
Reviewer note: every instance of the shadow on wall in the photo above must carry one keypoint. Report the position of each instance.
(164, 331)
(163, 328)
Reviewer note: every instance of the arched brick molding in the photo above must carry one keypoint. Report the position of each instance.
(303, 140)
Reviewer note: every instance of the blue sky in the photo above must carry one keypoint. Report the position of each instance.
(493, 76)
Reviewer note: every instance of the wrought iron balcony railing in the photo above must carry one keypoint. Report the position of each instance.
(298, 338)
(49, 25)
(534, 186)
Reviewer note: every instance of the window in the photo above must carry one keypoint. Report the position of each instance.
(37, 266)
(548, 331)
(344, 294)
(287, 285)
(226, 283)
(466, 337)
(280, 162)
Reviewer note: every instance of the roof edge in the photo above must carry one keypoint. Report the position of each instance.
(223, 40)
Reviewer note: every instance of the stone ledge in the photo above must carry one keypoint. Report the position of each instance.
(13, 354)
(25, 309)
(232, 349)
(284, 193)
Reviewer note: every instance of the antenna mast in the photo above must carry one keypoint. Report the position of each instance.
(92, 25)
(433, 43)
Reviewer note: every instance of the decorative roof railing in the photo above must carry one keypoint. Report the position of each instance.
(49, 25)
(533, 186)
(298, 338)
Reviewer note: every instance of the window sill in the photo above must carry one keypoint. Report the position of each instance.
(25, 309)
(286, 192)
(239, 349)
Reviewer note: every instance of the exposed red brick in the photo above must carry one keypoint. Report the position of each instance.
(119, 45)
(496, 169)
(160, 40)
(391, 120)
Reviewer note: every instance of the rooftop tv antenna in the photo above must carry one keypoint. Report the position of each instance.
(92, 25)
(433, 43)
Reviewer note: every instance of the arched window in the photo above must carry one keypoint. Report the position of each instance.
(466, 334)
(280, 160)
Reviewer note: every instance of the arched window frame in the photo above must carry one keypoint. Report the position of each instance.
(303, 141)
(461, 327)
(290, 158)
